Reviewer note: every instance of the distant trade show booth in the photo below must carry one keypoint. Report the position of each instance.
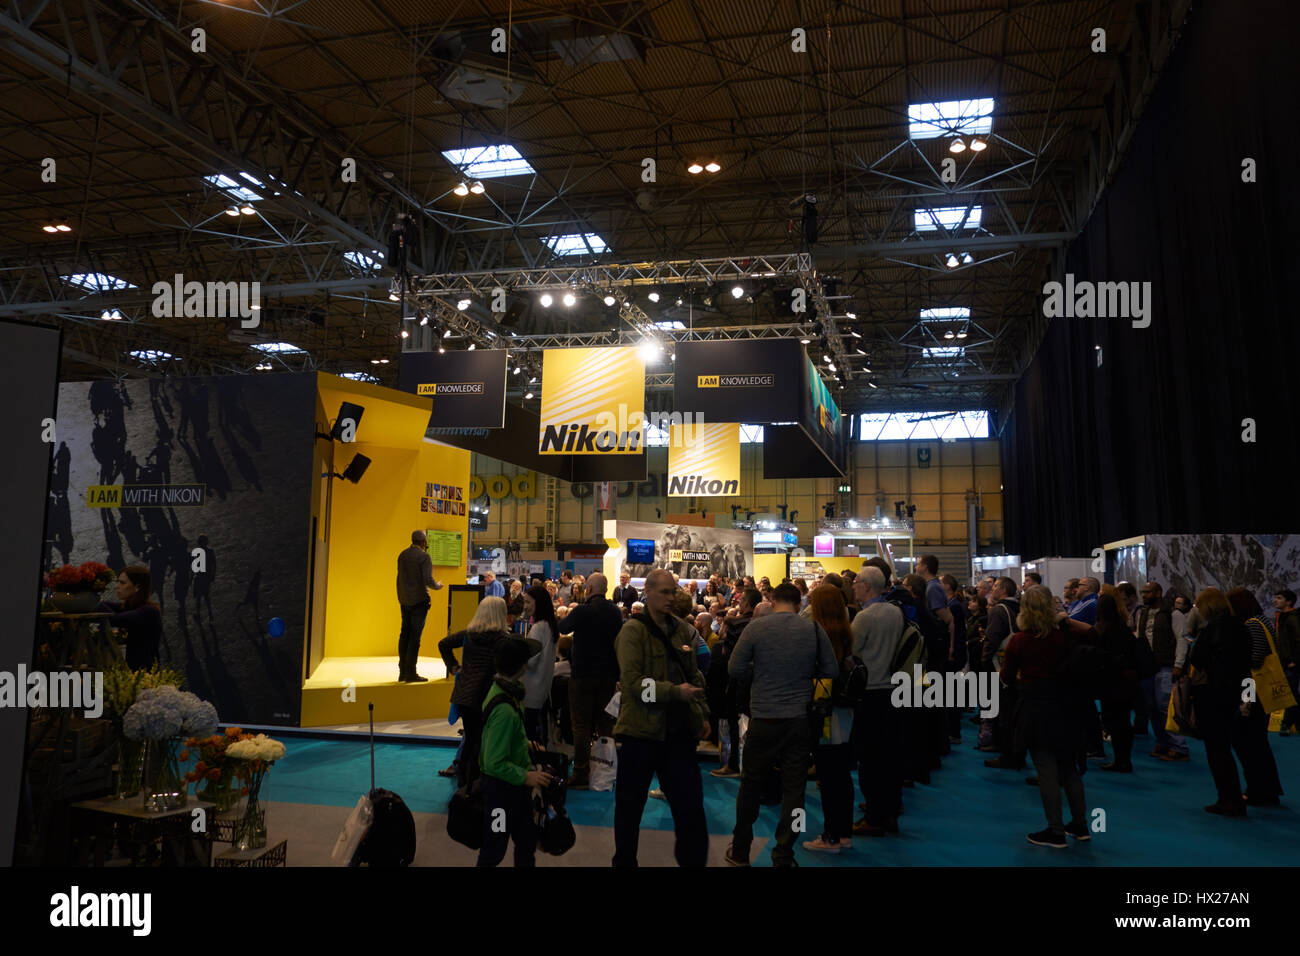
(1187, 563)
(693, 552)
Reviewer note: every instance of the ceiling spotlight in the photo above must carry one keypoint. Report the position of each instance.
(533, 380)
(679, 301)
(952, 262)
(610, 300)
(653, 296)
(948, 334)
(872, 384)
(472, 346)
(961, 335)
(957, 146)
(476, 188)
(462, 188)
(424, 319)
(569, 299)
(405, 334)
(528, 394)
(53, 228)
(232, 211)
(442, 349)
(804, 340)
(447, 334)
(546, 300)
(854, 333)
(674, 356)
(712, 166)
(383, 361)
(462, 305)
(247, 210)
(515, 370)
(737, 291)
(860, 352)
(695, 169)
(978, 145)
(393, 297)
(826, 359)
(374, 361)
(649, 350)
(63, 227)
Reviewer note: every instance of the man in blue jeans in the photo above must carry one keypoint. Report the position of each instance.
(1155, 627)
(414, 582)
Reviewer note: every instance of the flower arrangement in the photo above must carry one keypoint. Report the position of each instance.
(215, 768)
(122, 686)
(91, 576)
(258, 754)
(163, 712)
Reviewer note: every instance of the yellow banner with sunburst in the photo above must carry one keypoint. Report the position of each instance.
(704, 459)
(593, 402)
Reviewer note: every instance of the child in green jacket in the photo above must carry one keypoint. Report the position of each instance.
(508, 778)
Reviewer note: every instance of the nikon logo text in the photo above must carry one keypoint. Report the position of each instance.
(585, 438)
(700, 485)
(214, 300)
(450, 388)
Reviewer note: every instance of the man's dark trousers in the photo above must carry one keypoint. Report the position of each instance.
(772, 743)
(679, 777)
(408, 644)
(587, 699)
(878, 737)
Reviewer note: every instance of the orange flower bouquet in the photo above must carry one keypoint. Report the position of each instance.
(215, 769)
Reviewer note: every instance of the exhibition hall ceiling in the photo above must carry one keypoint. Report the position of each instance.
(276, 142)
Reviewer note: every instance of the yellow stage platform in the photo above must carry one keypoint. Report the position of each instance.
(340, 688)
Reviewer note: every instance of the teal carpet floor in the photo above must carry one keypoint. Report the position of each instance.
(969, 816)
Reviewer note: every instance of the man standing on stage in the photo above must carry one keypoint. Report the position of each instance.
(414, 581)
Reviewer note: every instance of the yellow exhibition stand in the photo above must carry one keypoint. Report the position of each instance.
(359, 529)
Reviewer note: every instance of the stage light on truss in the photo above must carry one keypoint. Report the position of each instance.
(447, 334)
(737, 291)
(424, 319)
(405, 334)
(472, 346)
(515, 370)
(610, 300)
(546, 300)
(528, 394)
(653, 295)
(442, 349)
(679, 301)
(462, 305)
(569, 299)
(804, 340)
(394, 297)
(649, 350)
(871, 383)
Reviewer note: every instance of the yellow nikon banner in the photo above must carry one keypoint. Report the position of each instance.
(593, 402)
(704, 459)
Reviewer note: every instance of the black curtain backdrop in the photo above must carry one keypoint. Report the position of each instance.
(1151, 441)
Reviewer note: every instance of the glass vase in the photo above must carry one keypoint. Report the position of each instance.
(221, 791)
(250, 832)
(163, 785)
(130, 767)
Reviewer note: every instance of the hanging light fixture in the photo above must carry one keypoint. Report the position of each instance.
(569, 299)
(978, 145)
(957, 146)
(546, 300)
(695, 169)
(476, 187)
(462, 188)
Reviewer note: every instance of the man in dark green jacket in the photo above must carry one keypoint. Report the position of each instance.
(662, 717)
(508, 775)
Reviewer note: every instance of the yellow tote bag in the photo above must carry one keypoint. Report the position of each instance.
(1271, 689)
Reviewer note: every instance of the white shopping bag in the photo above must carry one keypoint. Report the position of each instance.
(615, 704)
(354, 829)
(603, 764)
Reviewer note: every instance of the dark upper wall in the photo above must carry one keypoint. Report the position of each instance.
(1152, 439)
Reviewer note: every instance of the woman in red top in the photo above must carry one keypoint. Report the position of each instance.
(1045, 719)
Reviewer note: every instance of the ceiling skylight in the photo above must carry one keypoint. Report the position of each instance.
(953, 118)
(233, 188)
(945, 314)
(97, 281)
(950, 218)
(277, 348)
(577, 244)
(487, 162)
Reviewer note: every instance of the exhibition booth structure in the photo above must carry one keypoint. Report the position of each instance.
(693, 552)
(1057, 571)
(1188, 563)
(891, 539)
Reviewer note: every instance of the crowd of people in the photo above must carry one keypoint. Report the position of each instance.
(797, 680)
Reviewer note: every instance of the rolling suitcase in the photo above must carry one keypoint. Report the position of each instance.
(389, 840)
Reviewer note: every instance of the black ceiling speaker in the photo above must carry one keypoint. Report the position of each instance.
(810, 219)
(355, 469)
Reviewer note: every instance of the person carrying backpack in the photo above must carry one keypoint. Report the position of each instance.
(508, 778)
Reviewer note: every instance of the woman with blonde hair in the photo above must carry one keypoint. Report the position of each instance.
(1046, 721)
(478, 642)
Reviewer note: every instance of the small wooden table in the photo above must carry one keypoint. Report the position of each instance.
(171, 829)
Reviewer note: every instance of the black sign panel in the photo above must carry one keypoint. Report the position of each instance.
(749, 381)
(468, 388)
